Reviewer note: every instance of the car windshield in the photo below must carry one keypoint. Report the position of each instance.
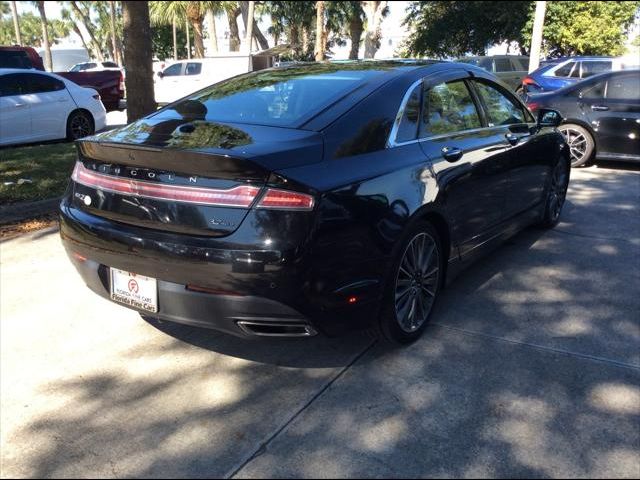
(278, 97)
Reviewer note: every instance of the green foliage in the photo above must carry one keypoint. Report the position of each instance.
(31, 30)
(448, 29)
(162, 41)
(584, 28)
(293, 19)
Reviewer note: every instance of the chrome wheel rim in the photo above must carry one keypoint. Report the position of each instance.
(80, 126)
(417, 282)
(557, 190)
(577, 144)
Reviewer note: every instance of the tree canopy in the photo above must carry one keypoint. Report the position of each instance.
(456, 28)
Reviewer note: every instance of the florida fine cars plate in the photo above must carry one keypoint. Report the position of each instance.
(134, 290)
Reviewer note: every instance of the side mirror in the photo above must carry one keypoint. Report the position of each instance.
(549, 118)
(160, 74)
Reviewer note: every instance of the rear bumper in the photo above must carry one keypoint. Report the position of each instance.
(250, 291)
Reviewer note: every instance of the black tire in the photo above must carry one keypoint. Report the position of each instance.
(581, 143)
(79, 124)
(556, 194)
(420, 291)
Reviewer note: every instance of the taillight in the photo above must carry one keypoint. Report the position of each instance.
(529, 81)
(121, 82)
(240, 196)
(286, 200)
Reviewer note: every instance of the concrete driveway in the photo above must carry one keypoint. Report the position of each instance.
(531, 369)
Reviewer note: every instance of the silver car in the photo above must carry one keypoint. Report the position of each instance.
(511, 69)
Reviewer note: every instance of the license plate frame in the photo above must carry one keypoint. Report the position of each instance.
(133, 290)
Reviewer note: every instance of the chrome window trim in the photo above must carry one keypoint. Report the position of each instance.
(391, 142)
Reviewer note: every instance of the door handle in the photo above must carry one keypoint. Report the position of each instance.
(20, 105)
(452, 154)
(599, 108)
(512, 139)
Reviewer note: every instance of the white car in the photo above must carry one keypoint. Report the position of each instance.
(187, 76)
(94, 67)
(38, 106)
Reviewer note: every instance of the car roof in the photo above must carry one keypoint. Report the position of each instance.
(4, 71)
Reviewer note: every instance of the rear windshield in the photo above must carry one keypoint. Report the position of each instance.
(14, 59)
(282, 97)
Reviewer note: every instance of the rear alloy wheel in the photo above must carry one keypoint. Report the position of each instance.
(580, 143)
(556, 194)
(412, 290)
(79, 125)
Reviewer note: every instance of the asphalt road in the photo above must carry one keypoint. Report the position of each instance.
(531, 369)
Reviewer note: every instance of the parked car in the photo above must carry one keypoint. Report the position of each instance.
(37, 106)
(511, 69)
(94, 67)
(568, 71)
(108, 83)
(316, 198)
(20, 57)
(601, 116)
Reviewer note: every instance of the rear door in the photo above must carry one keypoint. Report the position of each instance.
(470, 159)
(51, 104)
(617, 115)
(15, 110)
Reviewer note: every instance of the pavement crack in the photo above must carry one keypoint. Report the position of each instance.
(262, 448)
(561, 351)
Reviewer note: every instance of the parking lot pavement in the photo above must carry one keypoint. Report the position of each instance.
(531, 368)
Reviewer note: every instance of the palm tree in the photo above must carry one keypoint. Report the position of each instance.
(193, 12)
(321, 32)
(375, 11)
(86, 21)
(16, 25)
(114, 41)
(138, 59)
(249, 26)
(48, 63)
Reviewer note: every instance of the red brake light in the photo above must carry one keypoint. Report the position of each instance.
(529, 81)
(286, 200)
(240, 196)
(533, 106)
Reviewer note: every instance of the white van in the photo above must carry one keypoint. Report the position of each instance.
(187, 76)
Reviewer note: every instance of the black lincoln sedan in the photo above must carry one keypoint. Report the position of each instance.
(601, 116)
(315, 198)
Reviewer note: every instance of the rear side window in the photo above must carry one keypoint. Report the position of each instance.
(173, 70)
(109, 65)
(9, 59)
(565, 70)
(12, 84)
(503, 65)
(448, 108)
(593, 68)
(193, 69)
(408, 126)
(501, 110)
(43, 83)
(625, 87)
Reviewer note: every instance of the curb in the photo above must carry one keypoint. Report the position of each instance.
(25, 210)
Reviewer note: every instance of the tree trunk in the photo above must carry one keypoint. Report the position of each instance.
(175, 40)
(536, 36)
(257, 33)
(320, 32)
(355, 33)
(48, 64)
(198, 42)
(138, 59)
(76, 29)
(373, 10)
(213, 35)
(249, 26)
(188, 41)
(294, 39)
(234, 34)
(306, 38)
(86, 21)
(16, 24)
(114, 41)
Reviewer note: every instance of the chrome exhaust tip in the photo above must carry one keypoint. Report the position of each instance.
(276, 329)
